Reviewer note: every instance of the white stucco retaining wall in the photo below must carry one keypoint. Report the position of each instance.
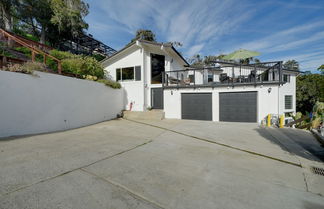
(52, 102)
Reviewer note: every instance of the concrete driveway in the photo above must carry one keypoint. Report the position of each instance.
(158, 164)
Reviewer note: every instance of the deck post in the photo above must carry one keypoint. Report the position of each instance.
(163, 76)
(194, 78)
(255, 76)
(59, 67)
(233, 76)
(177, 79)
(33, 56)
(280, 72)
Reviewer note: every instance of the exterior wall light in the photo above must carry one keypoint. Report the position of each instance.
(269, 90)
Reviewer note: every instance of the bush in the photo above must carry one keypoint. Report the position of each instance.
(110, 83)
(24, 50)
(77, 64)
(27, 68)
(63, 55)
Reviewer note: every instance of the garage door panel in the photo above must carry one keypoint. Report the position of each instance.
(196, 106)
(238, 107)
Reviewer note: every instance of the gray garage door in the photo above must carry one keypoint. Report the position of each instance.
(238, 107)
(196, 106)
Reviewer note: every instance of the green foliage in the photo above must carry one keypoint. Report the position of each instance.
(291, 65)
(110, 83)
(24, 50)
(69, 14)
(77, 64)
(98, 57)
(318, 114)
(321, 69)
(309, 90)
(63, 55)
(143, 34)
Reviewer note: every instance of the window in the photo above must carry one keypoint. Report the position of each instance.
(157, 68)
(118, 74)
(210, 78)
(137, 73)
(286, 78)
(128, 73)
(192, 78)
(288, 102)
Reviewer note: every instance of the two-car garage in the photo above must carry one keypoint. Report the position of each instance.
(233, 106)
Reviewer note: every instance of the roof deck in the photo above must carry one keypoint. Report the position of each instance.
(225, 74)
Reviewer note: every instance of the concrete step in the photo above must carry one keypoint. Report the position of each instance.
(146, 115)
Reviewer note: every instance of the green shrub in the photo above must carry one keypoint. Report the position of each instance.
(77, 64)
(24, 50)
(98, 57)
(110, 83)
(71, 66)
(92, 67)
(63, 55)
(83, 66)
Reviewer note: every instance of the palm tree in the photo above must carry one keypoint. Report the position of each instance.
(291, 65)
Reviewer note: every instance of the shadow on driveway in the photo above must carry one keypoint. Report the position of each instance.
(297, 142)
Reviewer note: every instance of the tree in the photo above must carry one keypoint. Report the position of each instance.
(57, 19)
(143, 34)
(196, 61)
(37, 11)
(69, 14)
(6, 9)
(291, 65)
(321, 69)
(309, 90)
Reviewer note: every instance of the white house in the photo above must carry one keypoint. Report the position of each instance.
(154, 75)
(139, 68)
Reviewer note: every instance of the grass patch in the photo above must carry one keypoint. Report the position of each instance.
(110, 83)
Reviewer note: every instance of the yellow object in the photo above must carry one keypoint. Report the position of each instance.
(269, 120)
(282, 121)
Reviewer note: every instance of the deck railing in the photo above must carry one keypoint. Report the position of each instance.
(224, 74)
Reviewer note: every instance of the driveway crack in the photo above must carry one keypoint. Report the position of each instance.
(79, 168)
(124, 188)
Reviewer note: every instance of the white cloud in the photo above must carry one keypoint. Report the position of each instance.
(206, 25)
(195, 49)
(285, 39)
(192, 22)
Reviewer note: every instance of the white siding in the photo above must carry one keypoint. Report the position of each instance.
(288, 89)
(267, 102)
(133, 90)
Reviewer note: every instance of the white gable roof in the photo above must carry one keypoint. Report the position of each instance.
(143, 43)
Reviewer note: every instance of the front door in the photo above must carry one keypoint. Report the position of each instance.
(157, 98)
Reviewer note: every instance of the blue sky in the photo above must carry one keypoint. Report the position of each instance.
(278, 29)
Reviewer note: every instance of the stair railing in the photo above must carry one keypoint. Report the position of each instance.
(33, 49)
